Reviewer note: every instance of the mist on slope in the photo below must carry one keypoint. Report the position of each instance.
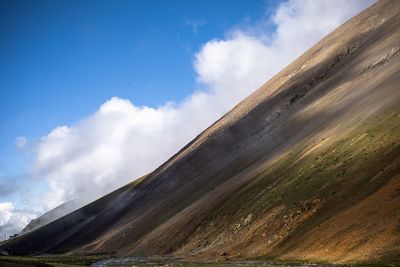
(121, 141)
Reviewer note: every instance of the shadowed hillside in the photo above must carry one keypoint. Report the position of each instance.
(51, 215)
(307, 167)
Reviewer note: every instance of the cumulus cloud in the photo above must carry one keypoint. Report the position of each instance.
(121, 141)
(12, 220)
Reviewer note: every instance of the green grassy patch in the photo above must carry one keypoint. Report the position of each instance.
(51, 260)
(345, 169)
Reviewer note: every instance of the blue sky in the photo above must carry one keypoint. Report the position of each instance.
(61, 59)
(94, 94)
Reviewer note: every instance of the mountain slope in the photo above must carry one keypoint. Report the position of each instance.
(306, 167)
(50, 216)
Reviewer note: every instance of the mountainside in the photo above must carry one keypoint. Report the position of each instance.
(307, 167)
(50, 216)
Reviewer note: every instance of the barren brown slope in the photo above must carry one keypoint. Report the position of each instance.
(306, 167)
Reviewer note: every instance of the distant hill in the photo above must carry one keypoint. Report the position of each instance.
(307, 167)
(50, 216)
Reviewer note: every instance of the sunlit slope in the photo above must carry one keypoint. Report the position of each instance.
(307, 167)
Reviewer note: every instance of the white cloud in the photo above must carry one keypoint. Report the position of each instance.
(21, 142)
(121, 141)
(13, 220)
